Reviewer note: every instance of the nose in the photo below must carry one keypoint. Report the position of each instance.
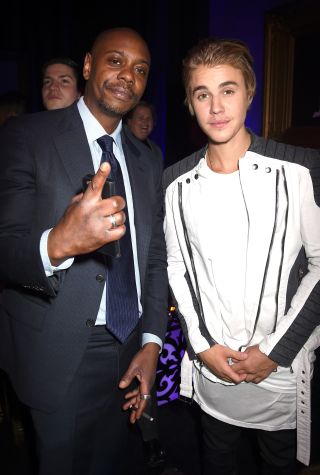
(127, 75)
(216, 105)
(54, 85)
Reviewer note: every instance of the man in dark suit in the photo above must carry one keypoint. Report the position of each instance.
(57, 342)
(141, 120)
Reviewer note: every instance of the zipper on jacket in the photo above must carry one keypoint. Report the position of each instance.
(283, 240)
(209, 338)
(267, 263)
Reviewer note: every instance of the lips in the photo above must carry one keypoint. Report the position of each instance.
(219, 124)
(121, 93)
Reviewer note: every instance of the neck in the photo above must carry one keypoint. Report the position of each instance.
(224, 157)
(108, 121)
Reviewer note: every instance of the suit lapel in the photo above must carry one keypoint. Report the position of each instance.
(73, 148)
(138, 167)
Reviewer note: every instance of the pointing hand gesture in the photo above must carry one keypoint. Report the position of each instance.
(88, 223)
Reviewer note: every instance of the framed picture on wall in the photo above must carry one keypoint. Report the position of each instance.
(291, 84)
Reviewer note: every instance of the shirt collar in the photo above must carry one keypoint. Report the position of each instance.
(92, 126)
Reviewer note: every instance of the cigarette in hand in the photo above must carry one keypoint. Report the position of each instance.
(144, 414)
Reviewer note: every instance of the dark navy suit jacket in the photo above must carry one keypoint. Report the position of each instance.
(44, 321)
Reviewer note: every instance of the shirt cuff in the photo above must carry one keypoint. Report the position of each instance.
(151, 338)
(48, 267)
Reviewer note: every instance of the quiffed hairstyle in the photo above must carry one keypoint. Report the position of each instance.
(216, 51)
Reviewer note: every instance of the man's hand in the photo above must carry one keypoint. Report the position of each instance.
(256, 367)
(219, 359)
(143, 368)
(86, 224)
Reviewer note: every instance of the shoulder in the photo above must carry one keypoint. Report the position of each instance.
(155, 148)
(181, 167)
(141, 155)
(135, 145)
(306, 157)
(281, 151)
(45, 122)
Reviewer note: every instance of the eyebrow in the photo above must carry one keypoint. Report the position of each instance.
(47, 76)
(228, 83)
(222, 85)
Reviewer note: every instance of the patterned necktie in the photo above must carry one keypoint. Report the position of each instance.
(122, 313)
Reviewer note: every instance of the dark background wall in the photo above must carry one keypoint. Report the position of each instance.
(170, 28)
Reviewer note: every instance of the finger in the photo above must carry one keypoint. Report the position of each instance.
(127, 378)
(132, 402)
(138, 410)
(239, 368)
(95, 186)
(238, 355)
(132, 394)
(136, 414)
(77, 198)
(235, 377)
(116, 219)
(251, 378)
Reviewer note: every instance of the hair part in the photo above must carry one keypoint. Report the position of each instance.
(213, 52)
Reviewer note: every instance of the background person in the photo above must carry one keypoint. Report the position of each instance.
(141, 120)
(12, 104)
(60, 83)
(247, 295)
(78, 326)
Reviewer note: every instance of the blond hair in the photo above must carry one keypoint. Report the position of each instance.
(213, 52)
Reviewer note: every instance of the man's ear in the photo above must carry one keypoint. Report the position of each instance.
(189, 105)
(87, 66)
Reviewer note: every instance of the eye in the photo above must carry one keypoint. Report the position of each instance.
(141, 71)
(114, 61)
(202, 96)
(228, 92)
(46, 83)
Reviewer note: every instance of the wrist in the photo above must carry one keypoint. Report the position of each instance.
(55, 254)
(152, 348)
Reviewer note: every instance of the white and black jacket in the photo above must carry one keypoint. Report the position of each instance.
(287, 205)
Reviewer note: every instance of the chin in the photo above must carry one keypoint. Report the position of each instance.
(114, 110)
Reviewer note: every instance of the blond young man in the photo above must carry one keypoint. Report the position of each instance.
(243, 242)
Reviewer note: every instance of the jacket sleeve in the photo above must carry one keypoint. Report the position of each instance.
(155, 301)
(20, 260)
(179, 280)
(303, 315)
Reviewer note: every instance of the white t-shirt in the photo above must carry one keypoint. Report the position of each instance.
(247, 404)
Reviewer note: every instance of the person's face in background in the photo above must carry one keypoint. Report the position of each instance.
(59, 87)
(141, 123)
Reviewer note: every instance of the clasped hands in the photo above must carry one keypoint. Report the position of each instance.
(89, 221)
(235, 366)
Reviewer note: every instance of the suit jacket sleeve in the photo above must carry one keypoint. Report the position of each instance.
(155, 301)
(21, 263)
(286, 349)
